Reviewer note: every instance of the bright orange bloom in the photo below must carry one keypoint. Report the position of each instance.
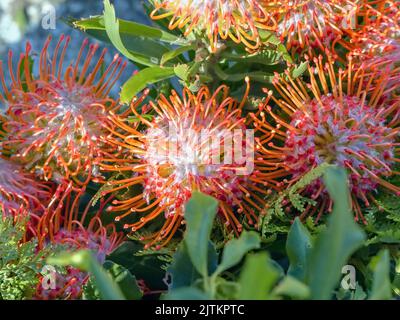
(347, 119)
(55, 118)
(307, 26)
(175, 149)
(238, 20)
(62, 229)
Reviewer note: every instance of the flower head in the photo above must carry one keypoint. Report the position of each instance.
(187, 143)
(308, 25)
(239, 20)
(61, 229)
(355, 125)
(55, 119)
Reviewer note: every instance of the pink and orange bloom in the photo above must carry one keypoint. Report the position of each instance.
(178, 147)
(238, 20)
(69, 230)
(54, 120)
(308, 26)
(346, 118)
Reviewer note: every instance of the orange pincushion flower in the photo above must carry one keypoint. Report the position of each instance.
(60, 228)
(169, 155)
(239, 20)
(55, 119)
(348, 120)
(309, 25)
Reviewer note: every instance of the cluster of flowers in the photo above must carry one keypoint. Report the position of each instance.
(61, 131)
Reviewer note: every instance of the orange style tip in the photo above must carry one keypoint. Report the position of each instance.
(147, 246)
(126, 226)
(117, 219)
(109, 209)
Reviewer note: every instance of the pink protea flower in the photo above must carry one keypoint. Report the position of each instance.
(55, 119)
(238, 20)
(20, 193)
(169, 153)
(354, 125)
(62, 230)
(307, 26)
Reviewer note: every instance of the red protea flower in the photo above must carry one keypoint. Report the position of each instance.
(20, 193)
(239, 20)
(168, 153)
(355, 125)
(63, 230)
(55, 118)
(307, 26)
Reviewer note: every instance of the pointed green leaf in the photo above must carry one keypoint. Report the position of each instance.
(337, 242)
(298, 248)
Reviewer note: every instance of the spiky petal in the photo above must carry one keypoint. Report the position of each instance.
(20, 193)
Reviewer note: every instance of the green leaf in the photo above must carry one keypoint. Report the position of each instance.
(337, 242)
(124, 279)
(200, 212)
(292, 288)
(142, 79)
(381, 285)
(85, 261)
(298, 248)
(257, 277)
(128, 28)
(186, 293)
(236, 249)
(113, 32)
